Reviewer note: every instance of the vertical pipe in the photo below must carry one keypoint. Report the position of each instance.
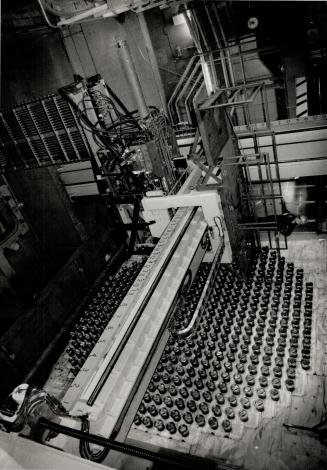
(256, 150)
(188, 82)
(133, 78)
(268, 170)
(209, 71)
(206, 76)
(193, 32)
(178, 86)
(194, 86)
(265, 100)
(204, 65)
(275, 155)
(153, 60)
(225, 44)
(222, 57)
(242, 62)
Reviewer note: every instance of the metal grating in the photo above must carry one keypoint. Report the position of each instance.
(40, 133)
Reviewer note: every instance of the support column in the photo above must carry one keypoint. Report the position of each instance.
(153, 60)
(133, 79)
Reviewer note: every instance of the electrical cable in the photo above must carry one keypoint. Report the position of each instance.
(220, 227)
(108, 444)
(117, 129)
(45, 16)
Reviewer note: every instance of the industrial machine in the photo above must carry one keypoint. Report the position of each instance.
(114, 349)
(197, 356)
(131, 151)
(182, 331)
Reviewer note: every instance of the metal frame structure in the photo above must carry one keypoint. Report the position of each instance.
(257, 161)
(241, 96)
(257, 166)
(188, 196)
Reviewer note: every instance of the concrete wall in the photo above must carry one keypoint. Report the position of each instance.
(38, 64)
(92, 48)
(166, 38)
(46, 235)
(49, 212)
(33, 65)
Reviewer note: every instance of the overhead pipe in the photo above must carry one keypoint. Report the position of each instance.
(225, 43)
(133, 79)
(179, 85)
(184, 89)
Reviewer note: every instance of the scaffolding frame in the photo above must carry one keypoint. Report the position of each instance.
(258, 163)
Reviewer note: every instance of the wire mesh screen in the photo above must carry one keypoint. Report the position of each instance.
(40, 133)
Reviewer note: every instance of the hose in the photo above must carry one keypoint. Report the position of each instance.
(169, 462)
(45, 16)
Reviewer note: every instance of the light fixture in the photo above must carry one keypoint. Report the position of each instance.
(179, 19)
(253, 22)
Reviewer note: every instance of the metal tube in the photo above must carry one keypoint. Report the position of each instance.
(226, 105)
(266, 105)
(178, 86)
(45, 16)
(230, 67)
(184, 89)
(193, 32)
(153, 60)
(211, 80)
(133, 78)
(200, 30)
(222, 58)
(197, 95)
(225, 43)
(195, 84)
